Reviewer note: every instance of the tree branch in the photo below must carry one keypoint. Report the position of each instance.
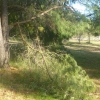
(17, 6)
(39, 51)
(29, 20)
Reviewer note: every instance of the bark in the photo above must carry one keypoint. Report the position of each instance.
(2, 49)
(5, 33)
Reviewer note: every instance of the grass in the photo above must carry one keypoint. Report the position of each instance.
(88, 57)
(16, 84)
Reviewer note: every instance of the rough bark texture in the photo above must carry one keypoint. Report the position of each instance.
(5, 33)
(2, 49)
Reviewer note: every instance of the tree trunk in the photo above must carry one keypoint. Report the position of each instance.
(88, 37)
(2, 48)
(79, 38)
(5, 33)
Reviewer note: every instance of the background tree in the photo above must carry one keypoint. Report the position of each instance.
(4, 36)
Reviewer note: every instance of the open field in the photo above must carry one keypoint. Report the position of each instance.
(88, 57)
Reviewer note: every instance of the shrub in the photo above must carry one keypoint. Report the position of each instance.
(57, 75)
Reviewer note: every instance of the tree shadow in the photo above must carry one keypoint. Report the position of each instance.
(84, 46)
(87, 57)
(26, 82)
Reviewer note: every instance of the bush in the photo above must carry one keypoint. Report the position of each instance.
(57, 75)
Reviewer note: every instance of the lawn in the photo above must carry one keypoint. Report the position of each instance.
(88, 57)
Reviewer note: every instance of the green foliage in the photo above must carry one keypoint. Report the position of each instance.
(63, 26)
(57, 24)
(56, 74)
(53, 73)
(96, 34)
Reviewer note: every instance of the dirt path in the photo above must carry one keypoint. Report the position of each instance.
(88, 56)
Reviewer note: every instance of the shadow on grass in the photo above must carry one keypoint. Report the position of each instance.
(85, 46)
(87, 57)
(25, 82)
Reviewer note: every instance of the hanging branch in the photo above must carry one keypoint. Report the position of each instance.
(43, 58)
(34, 17)
(39, 15)
(24, 39)
(40, 51)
